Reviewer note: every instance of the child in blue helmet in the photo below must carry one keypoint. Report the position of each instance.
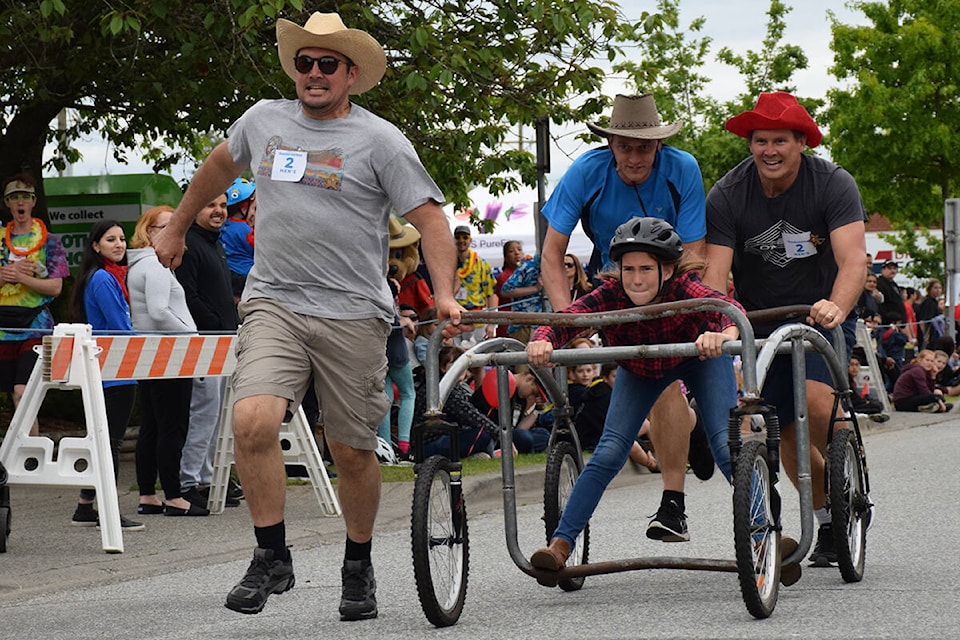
(237, 232)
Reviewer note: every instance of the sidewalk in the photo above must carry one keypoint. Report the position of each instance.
(47, 555)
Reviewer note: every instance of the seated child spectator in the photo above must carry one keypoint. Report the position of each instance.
(940, 367)
(915, 389)
(949, 374)
(578, 379)
(862, 403)
(531, 431)
(891, 342)
(477, 434)
(589, 422)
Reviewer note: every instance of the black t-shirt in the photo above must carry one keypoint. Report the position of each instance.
(781, 246)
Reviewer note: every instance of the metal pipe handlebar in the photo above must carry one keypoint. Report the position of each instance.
(748, 349)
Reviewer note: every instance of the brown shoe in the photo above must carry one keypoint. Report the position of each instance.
(552, 558)
(789, 573)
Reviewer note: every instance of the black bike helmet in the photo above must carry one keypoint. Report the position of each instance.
(652, 235)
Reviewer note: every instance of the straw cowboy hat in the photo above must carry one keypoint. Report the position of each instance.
(636, 117)
(402, 235)
(327, 31)
(778, 110)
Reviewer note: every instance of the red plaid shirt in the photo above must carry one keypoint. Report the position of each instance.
(680, 328)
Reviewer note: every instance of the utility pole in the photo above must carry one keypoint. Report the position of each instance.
(543, 168)
(951, 259)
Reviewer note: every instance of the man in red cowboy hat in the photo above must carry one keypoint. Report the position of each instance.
(328, 174)
(636, 175)
(790, 226)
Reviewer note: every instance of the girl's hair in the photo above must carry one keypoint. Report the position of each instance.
(580, 280)
(922, 353)
(90, 262)
(576, 342)
(427, 322)
(141, 234)
(448, 354)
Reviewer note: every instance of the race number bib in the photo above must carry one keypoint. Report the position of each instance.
(288, 166)
(798, 245)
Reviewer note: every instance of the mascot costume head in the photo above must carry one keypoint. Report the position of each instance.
(402, 263)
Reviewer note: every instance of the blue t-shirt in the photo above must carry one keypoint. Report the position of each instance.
(239, 252)
(591, 186)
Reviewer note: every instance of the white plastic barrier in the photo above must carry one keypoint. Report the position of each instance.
(875, 377)
(72, 358)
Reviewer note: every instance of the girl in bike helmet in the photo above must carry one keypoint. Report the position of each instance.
(649, 269)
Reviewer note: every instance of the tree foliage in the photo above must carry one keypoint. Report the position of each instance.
(156, 75)
(896, 127)
(670, 70)
(926, 259)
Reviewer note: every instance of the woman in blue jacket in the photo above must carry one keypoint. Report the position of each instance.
(100, 299)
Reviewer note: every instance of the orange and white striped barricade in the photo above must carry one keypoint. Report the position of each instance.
(80, 462)
(72, 358)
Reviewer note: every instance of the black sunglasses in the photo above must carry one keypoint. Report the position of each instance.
(568, 265)
(327, 64)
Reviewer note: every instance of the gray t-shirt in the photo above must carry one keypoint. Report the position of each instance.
(322, 237)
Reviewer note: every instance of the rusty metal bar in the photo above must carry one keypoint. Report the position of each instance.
(634, 564)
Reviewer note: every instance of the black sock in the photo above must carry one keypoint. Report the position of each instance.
(673, 496)
(273, 537)
(357, 550)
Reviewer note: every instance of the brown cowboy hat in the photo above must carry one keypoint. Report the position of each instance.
(402, 235)
(778, 110)
(636, 117)
(327, 31)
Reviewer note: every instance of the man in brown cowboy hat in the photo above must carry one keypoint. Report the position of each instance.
(791, 228)
(636, 175)
(328, 174)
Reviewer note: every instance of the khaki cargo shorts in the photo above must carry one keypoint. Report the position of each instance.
(278, 351)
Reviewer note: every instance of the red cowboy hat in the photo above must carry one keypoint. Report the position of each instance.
(778, 110)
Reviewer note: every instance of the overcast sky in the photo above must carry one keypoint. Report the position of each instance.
(738, 24)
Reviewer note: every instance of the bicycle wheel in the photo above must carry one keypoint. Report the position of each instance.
(756, 532)
(441, 550)
(563, 469)
(848, 504)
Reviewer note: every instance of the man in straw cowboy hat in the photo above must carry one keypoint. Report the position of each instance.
(636, 175)
(328, 175)
(791, 228)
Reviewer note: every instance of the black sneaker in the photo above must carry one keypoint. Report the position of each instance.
(200, 496)
(700, 457)
(126, 524)
(265, 576)
(234, 490)
(359, 598)
(823, 554)
(669, 525)
(85, 516)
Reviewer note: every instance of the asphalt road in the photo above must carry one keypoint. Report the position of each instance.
(171, 582)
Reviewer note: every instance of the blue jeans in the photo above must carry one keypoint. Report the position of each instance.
(403, 378)
(532, 440)
(471, 441)
(714, 386)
